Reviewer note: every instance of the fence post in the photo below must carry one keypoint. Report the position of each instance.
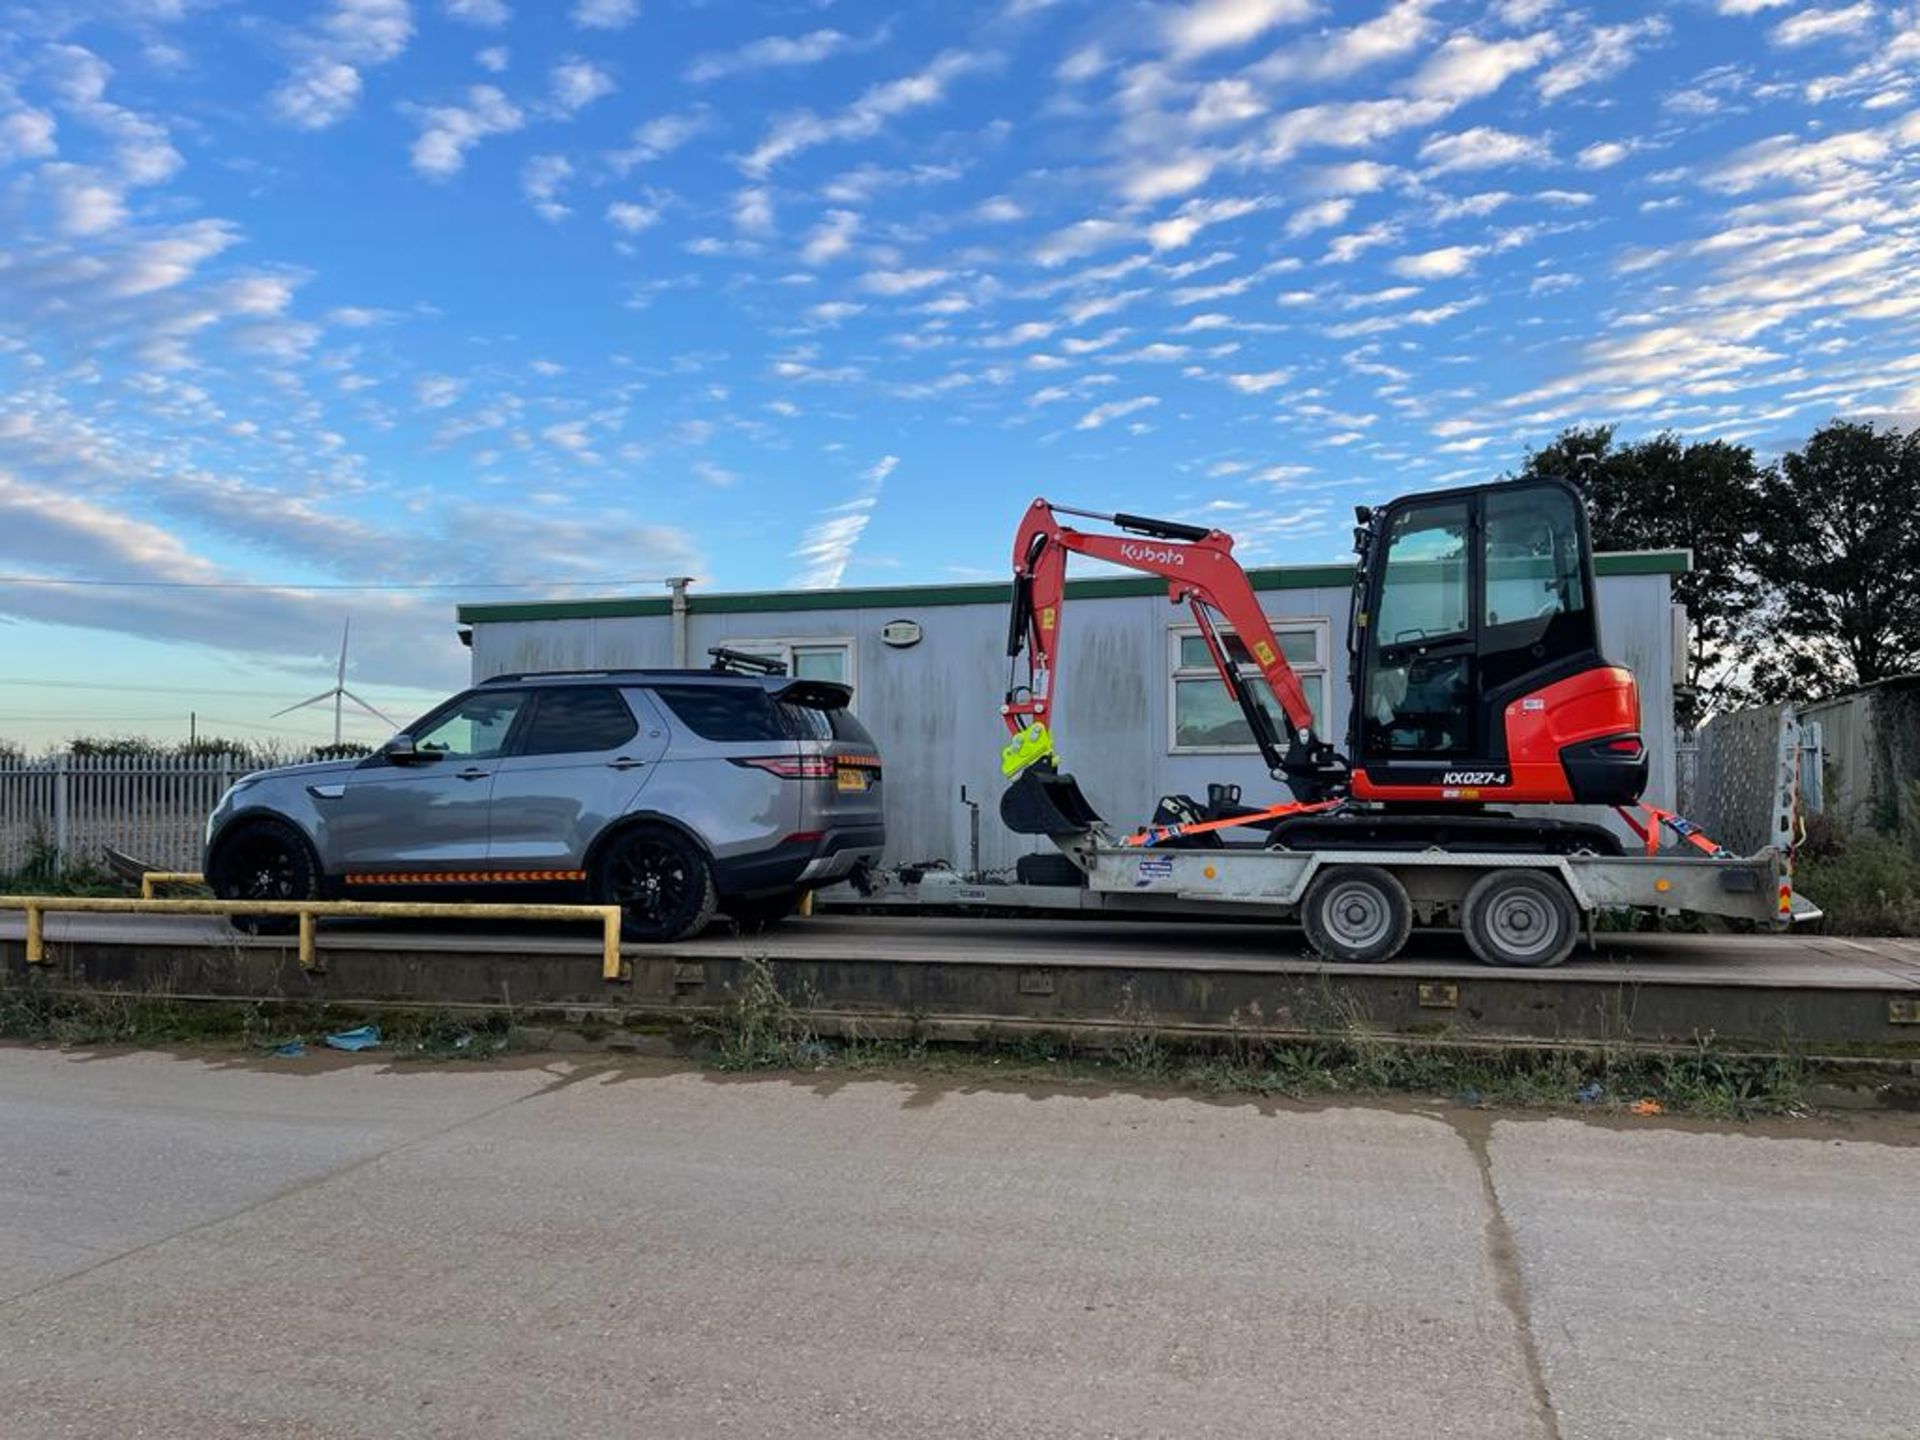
(1813, 767)
(62, 774)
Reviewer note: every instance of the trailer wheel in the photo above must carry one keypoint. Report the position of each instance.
(1356, 913)
(1520, 917)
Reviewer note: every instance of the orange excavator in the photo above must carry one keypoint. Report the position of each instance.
(1478, 682)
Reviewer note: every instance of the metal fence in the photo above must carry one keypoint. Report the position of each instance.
(1873, 755)
(65, 810)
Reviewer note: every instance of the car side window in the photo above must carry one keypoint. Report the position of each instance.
(726, 712)
(475, 727)
(579, 720)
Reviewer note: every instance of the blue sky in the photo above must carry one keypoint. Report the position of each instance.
(568, 297)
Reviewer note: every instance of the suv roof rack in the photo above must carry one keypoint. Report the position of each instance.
(739, 662)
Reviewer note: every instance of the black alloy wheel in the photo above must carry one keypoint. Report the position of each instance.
(661, 882)
(266, 860)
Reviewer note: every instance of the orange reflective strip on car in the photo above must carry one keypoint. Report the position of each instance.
(469, 877)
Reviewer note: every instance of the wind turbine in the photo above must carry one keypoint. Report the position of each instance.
(339, 693)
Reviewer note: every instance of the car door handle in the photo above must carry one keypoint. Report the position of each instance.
(474, 774)
(623, 763)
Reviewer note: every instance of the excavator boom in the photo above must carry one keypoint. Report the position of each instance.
(1198, 565)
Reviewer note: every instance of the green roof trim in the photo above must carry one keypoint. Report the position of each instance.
(612, 608)
(922, 597)
(1643, 562)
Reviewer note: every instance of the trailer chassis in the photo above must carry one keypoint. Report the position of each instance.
(1516, 908)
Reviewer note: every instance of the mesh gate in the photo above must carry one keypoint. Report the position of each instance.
(1744, 778)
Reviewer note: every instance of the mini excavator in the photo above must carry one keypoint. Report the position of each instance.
(1478, 682)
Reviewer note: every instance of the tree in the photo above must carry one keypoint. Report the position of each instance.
(1838, 549)
(1667, 494)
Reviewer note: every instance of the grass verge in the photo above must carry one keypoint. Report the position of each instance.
(39, 1015)
(63, 882)
(760, 1028)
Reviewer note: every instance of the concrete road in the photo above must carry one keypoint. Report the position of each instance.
(1798, 959)
(324, 1248)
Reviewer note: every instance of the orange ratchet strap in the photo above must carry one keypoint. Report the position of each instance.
(1154, 834)
(1678, 824)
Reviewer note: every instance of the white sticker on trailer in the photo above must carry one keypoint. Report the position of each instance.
(1159, 867)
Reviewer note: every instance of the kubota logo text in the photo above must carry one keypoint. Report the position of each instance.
(1149, 555)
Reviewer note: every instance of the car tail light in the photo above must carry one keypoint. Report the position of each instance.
(804, 837)
(1626, 745)
(789, 767)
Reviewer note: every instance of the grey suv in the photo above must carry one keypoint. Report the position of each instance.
(671, 793)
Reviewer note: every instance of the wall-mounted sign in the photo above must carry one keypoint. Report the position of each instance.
(900, 633)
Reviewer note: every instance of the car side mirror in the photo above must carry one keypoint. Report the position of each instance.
(400, 750)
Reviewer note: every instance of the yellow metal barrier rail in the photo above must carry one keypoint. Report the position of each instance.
(310, 912)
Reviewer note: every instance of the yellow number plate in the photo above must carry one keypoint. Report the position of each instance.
(855, 780)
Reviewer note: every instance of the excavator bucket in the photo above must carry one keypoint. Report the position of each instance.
(1042, 801)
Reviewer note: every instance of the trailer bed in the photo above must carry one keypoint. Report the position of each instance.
(1274, 885)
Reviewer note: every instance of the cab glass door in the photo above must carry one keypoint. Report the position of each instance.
(1420, 682)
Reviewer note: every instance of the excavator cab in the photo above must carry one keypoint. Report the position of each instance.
(1477, 668)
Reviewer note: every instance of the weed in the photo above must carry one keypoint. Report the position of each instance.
(438, 1035)
(1041, 1047)
(1708, 1082)
(1139, 1049)
(1701, 1081)
(153, 1019)
(116, 1017)
(1868, 884)
(758, 1027)
(43, 874)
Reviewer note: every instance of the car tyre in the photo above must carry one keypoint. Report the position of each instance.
(662, 883)
(762, 912)
(1521, 918)
(265, 860)
(1358, 914)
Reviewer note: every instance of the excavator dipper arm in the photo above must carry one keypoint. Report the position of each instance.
(1200, 571)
